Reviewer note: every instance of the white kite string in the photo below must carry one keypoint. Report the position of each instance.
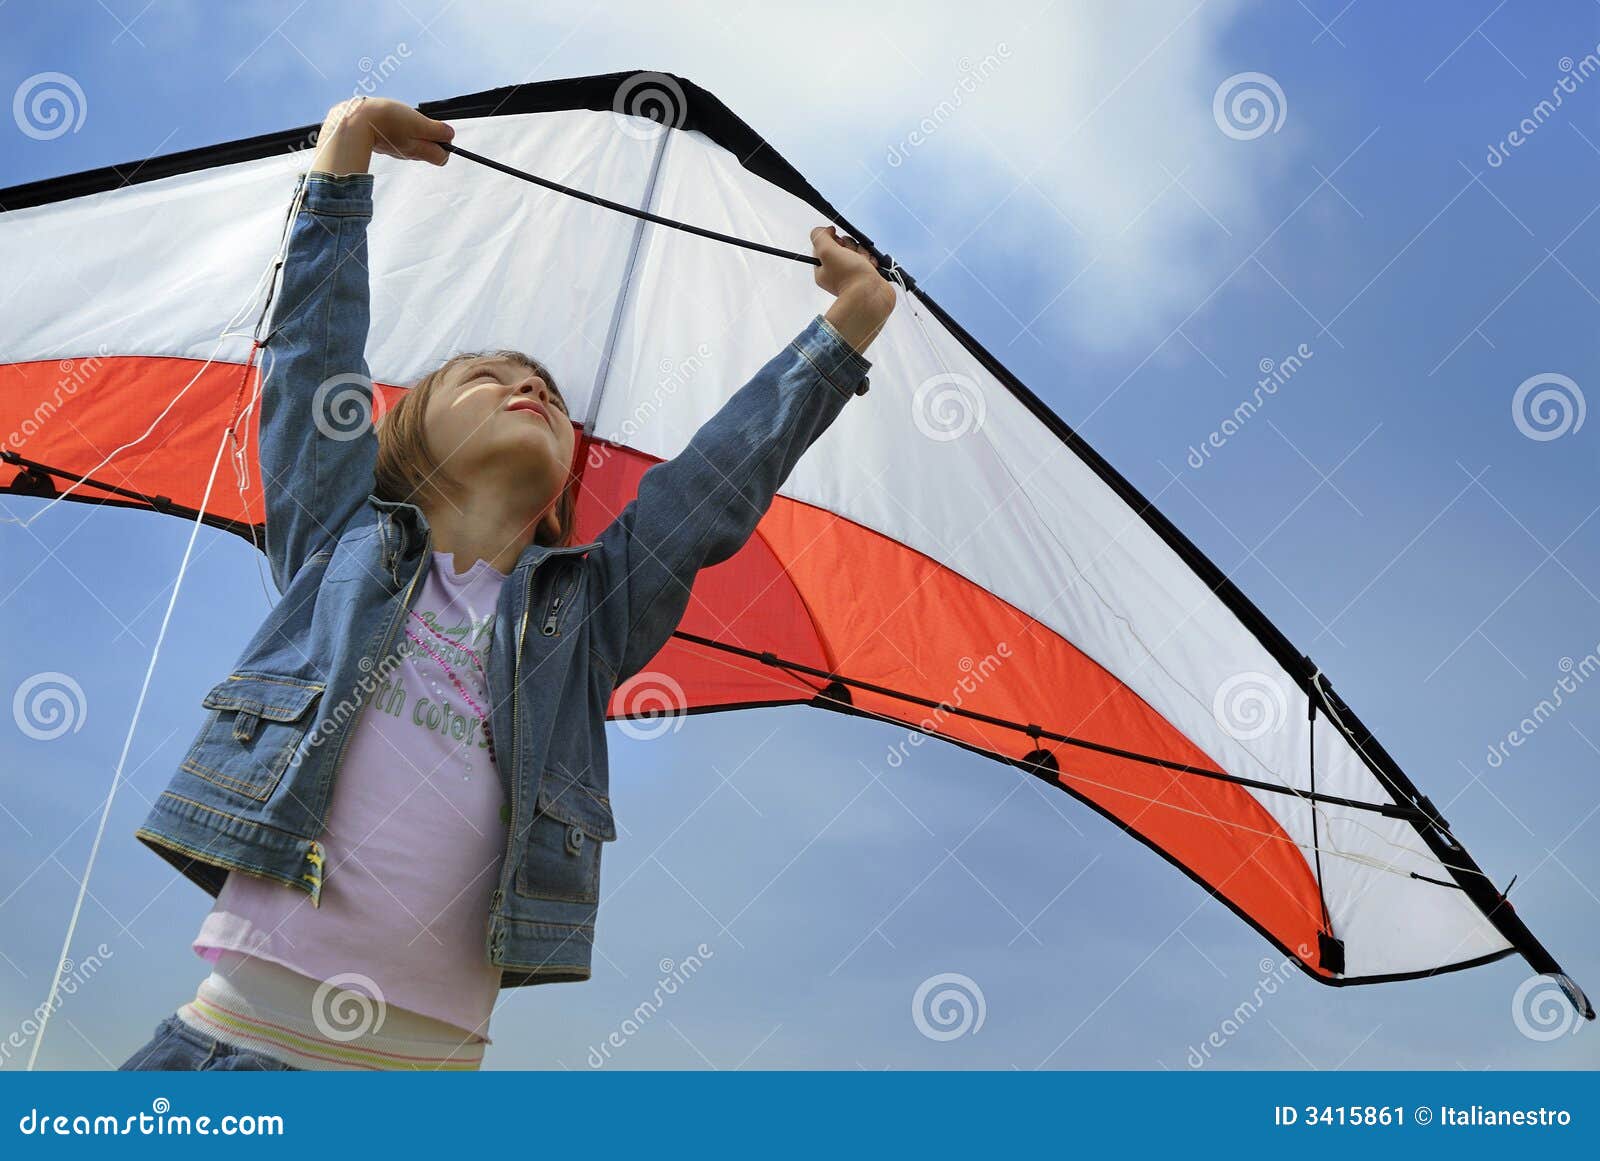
(166, 621)
(127, 744)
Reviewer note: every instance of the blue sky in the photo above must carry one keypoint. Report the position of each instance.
(1084, 215)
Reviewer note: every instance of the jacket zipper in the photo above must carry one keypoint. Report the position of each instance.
(552, 618)
(516, 725)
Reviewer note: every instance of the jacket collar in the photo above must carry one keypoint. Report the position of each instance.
(410, 517)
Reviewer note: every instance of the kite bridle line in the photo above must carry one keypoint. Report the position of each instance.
(1044, 765)
(1072, 782)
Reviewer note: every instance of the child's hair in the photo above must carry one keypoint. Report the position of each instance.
(407, 470)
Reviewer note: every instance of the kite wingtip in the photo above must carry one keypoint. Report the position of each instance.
(1575, 996)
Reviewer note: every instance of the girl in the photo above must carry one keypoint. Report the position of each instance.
(400, 796)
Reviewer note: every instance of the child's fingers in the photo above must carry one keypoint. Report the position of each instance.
(819, 240)
(431, 152)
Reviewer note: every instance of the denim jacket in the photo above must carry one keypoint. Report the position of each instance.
(572, 622)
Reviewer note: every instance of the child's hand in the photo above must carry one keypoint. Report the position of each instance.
(358, 128)
(844, 263)
(864, 298)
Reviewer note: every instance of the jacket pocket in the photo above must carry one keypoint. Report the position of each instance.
(257, 723)
(562, 857)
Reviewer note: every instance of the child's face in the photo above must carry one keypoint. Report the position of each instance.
(495, 422)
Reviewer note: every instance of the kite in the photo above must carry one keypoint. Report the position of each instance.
(950, 556)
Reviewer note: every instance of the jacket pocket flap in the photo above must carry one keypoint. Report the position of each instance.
(577, 805)
(277, 699)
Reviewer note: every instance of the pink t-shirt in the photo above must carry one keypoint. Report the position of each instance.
(415, 834)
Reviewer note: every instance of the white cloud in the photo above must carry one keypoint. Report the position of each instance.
(1104, 110)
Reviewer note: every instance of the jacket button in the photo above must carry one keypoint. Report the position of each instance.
(574, 839)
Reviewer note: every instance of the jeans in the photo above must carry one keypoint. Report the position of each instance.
(176, 1047)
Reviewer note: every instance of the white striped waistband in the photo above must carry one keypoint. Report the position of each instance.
(253, 1003)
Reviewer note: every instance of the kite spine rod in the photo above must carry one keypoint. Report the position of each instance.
(885, 263)
(1389, 810)
(35, 481)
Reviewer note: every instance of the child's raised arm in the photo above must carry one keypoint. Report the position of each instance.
(698, 508)
(317, 445)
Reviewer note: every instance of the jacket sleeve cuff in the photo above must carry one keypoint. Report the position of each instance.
(342, 195)
(844, 367)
